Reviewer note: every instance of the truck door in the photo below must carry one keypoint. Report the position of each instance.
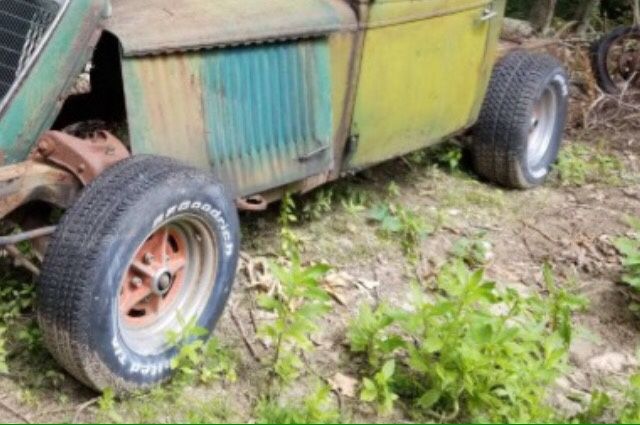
(425, 69)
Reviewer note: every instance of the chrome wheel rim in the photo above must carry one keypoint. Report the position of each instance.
(541, 130)
(167, 283)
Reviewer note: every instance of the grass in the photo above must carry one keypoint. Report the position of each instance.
(581, 164)
(457, 349)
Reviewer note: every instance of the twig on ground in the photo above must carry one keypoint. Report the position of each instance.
(84, 406)
(243, 334)
(254, 325)
(540, 232)
(532, 255)
(14, 412)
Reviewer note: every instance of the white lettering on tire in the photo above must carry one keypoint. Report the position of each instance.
(215, 213)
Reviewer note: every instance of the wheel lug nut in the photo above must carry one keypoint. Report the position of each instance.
(136, 281)
(148, 258)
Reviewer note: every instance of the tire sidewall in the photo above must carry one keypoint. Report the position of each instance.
(558, 81)
(205, 200)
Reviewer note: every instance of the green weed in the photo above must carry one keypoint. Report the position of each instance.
(474, 251)
(290, 243)
(320, 204)
(629, 248)
(448, 155)
(445, 155)
(398, 222)
(378, 389)
(469, 352)
(599, 403)
(579, 164)
(199, 361)
(316, 408)
(107, 406)
(622, 407)
(298, 307)
(209, 412)
(353, 199)
(367, 334)
(630, 413)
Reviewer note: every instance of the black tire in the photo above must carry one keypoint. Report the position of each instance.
(82, 277)
(600, 54)
(501, 145)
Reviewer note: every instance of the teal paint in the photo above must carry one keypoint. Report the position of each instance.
(268, 113)
(35, 105)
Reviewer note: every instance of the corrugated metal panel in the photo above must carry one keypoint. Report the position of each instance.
(261, 114)
(268, 110)
(155, 26)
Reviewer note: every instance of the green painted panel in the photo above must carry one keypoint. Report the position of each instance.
(36, 103)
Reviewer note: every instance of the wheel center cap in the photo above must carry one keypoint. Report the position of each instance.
(163, 282)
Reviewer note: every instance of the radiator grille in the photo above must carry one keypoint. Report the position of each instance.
(23, 24)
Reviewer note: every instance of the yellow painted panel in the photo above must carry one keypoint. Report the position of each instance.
(421, 80)
(390, 12)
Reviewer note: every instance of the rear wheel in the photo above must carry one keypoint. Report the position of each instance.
(520, 129)
(150, 245)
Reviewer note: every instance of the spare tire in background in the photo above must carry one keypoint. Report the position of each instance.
(615, 59)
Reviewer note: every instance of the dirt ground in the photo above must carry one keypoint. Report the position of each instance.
(570, 227)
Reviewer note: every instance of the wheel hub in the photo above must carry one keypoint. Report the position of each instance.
(154, 277)
(162, 282)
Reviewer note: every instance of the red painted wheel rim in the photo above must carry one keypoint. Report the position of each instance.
(168, 282)
(160, 261)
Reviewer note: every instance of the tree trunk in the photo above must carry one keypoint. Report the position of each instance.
(542, 15)
(583, 15)
(636, 13)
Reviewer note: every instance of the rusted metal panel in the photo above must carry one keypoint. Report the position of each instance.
(260, 116)
(34, 181)
(165, 107)
(154, 26)
(84, 158)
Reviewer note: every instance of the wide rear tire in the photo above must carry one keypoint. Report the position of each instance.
(521, 125)
(149, 245)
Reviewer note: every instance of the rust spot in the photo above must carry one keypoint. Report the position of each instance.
(85, 158)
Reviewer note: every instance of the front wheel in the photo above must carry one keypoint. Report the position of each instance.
(521, 125)
(149, 245)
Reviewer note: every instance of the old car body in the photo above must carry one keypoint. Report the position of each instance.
(254, 99)
(269, 92)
